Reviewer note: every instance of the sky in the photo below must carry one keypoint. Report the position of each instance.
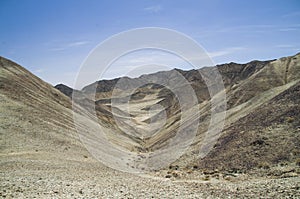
(52, 38)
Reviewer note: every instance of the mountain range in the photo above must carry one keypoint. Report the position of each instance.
(51, 144)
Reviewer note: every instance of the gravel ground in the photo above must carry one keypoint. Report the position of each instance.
(48, 176)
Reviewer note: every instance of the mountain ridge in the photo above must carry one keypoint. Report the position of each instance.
(248, 87)
(45, 150)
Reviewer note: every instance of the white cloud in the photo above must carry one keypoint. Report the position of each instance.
(287, 29)
(39, 70)
(154, 9)
(78, 43)
(258, 28)
(57, 49)
(62, 47)
(284, 46)
(225, 51)
(292, 14)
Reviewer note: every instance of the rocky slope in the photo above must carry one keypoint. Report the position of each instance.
(258, 112)
(256, 155)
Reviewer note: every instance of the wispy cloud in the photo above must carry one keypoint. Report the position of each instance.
(78, 43)
(245, 28)
(292, 14)
(288, 29)
(57, 49)
(154, 9)
(285, 46)
(62, 47)
(225, 51)
(39, 70)
(258, 28)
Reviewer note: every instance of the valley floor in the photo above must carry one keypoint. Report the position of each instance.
(39, 174)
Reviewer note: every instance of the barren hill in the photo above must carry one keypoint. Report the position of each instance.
(258, 112)
(257, 152)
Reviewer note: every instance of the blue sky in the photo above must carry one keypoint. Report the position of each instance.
(51, 38)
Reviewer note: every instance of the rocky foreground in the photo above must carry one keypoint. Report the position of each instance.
(43, 175)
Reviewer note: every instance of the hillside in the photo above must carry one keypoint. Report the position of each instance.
(258, 112)
(43, 155)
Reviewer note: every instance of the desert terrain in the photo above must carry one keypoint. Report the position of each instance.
(45, 154)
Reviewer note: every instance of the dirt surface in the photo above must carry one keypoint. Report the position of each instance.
(47, 175)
